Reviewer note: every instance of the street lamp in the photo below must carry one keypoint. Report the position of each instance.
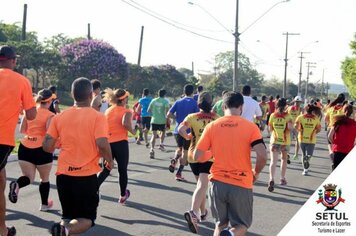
(236, 35)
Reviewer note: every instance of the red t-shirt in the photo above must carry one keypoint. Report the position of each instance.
(344, 138)
(272, 106)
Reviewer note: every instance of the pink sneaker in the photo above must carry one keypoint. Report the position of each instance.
(48, 206)
(180, 178)
(123, 199)
(14, 191)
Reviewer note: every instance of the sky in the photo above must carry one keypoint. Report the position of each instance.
(196, 33)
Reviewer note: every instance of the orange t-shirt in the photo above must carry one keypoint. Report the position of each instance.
(229, 138)
(36, 129)
(114, 116)
(78, 128)
(16, 93)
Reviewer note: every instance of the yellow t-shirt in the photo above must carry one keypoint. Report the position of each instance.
(197, 123)
(294, 112)
(280, 132)
(307, 127)
(264, 108)
(333, 112)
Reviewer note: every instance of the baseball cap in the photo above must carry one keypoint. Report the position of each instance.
(298, 99)
(7, 53)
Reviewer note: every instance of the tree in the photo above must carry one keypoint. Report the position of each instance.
(94, 59)
(247, 75)
(348, 68)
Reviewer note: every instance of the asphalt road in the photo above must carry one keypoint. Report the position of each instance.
(158, 201)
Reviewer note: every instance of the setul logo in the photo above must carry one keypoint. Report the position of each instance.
(330, 198)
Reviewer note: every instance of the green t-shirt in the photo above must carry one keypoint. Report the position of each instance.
(217, 108)
(158, 107)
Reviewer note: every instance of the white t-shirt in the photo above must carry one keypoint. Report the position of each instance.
(250, 108)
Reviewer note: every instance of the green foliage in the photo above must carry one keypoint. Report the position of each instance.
(348, 68)
(155, 78)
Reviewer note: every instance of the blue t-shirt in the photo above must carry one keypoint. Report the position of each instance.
(145, 102)
(196, 96)
(182, 108)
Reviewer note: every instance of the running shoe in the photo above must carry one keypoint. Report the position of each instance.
(192, 221)
(295, 157)
(123, 199)
(47, 207)
(271, 186)
(226, 232)
(11, 231)
(180, 178)
(161, 147)
(305, 172)
(204, 216)
(306, 162)
(283, 181)
(288, 159)
(14, 191)
(152, 154)
(138, 142)
(147, 145)
(172, 166)
(58, 230)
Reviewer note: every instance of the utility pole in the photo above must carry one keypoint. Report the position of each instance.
(286, 64)
(322, 84)
(327, 90)
(235, 82)
(309, 65)
(23, 35)
(300, 73)
(89, 37)
(192, 68)
(140, 49)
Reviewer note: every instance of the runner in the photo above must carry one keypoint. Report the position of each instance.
(230, 139)
(179, 111)
(83, 133)
(272, 108)
(137, 116)
(199, 91)
(54, 107)
(218, 107)
(265, 112)
(96, 102)
(31, 155)
(197, 122)
(280, 124)
(342, 135)
(294, 111)
(119, 119)
(145, 115)
(251, 108)
(158, 108)
(333, 109)
(16, 92)
(307, 125)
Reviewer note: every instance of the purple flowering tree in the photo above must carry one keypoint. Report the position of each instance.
(94, 59)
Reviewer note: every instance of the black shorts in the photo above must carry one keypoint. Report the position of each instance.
(156, 127)
(35, 156)
(146, 122)
(182, 142)
(201, 168)
(5, 151)
(78, 196)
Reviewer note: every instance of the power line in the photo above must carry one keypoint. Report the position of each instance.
(174, 25)
(174, 21)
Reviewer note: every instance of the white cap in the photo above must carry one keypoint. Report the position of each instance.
(298, 99)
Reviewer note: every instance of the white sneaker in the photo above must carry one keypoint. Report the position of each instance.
(305, 172)
(47, 207)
